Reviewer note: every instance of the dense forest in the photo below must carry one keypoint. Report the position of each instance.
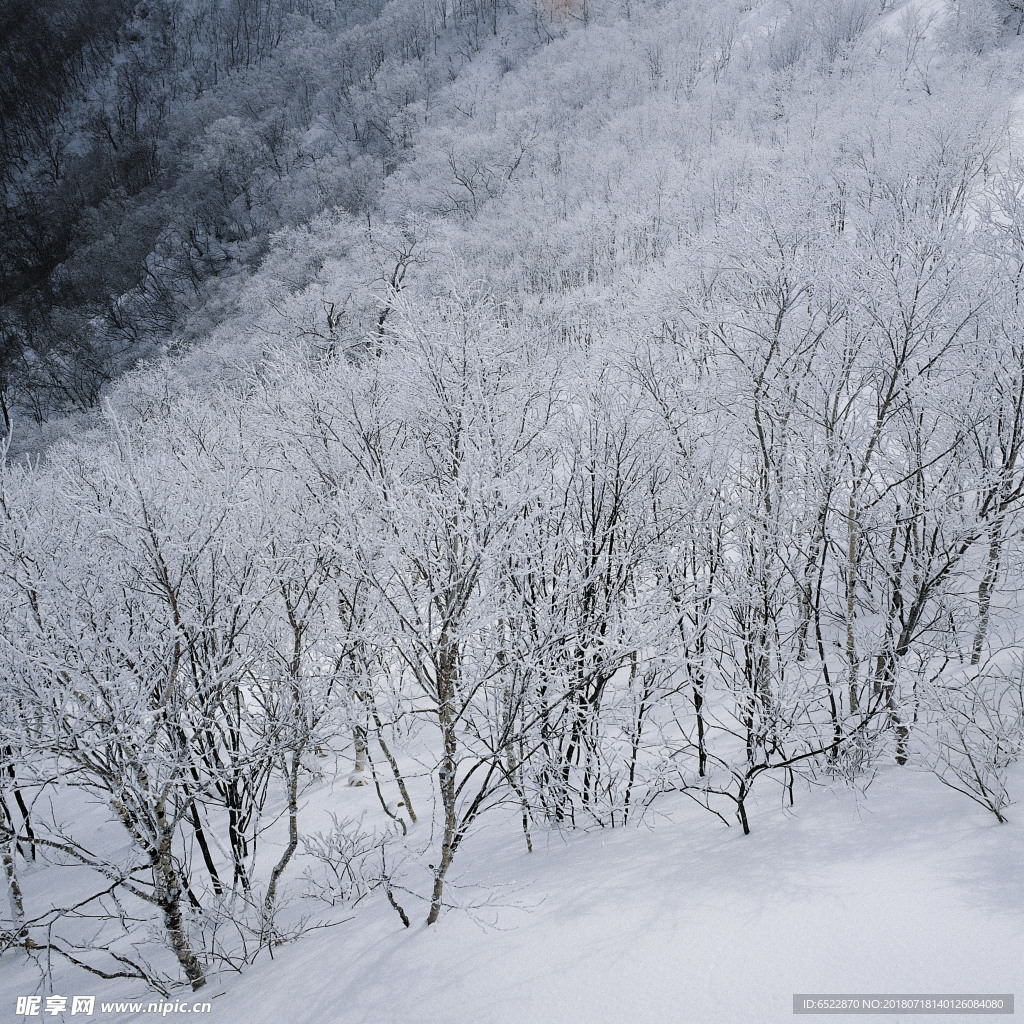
(524, 411)
(150, 152)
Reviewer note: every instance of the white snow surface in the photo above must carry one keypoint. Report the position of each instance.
(907, 889)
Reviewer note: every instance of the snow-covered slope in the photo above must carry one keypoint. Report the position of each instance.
(899, 891)
(629, 420)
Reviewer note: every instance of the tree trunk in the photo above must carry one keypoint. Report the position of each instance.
(446, 670)
(985, 589)
(357, 778)
(168, 891)
(292, 780)
(399, 779)
(851, 609)
(7, 840)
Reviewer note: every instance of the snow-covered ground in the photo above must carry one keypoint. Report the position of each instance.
(904, 890)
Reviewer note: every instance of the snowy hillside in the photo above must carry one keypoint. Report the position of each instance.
(510, 511)
(897, 891)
